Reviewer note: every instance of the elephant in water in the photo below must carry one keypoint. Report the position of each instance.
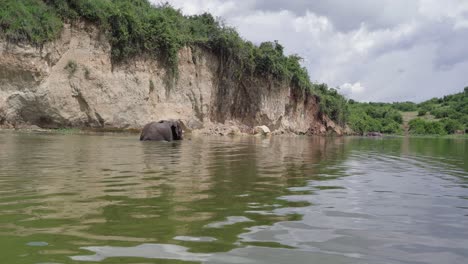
(374, 134)
(167, 130)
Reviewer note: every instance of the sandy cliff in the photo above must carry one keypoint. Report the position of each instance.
(73, 83)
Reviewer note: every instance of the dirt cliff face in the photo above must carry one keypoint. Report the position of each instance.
(72, 82)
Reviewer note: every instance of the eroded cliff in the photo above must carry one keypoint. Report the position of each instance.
(72, 82)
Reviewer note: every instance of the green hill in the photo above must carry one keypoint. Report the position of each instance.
(450, 113)
(447, 115)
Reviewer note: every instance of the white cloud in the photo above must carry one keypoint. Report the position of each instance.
(215, 7)
(396, 49)
(349, 89)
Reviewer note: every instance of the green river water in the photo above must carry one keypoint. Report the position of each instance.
(72, 198)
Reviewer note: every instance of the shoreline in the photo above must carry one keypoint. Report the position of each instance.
(206, 132)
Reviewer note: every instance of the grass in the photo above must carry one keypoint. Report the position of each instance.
(71, 68)
(87, 73)
(151, 86)
(454, 136)
(31, 21)
(407, 116)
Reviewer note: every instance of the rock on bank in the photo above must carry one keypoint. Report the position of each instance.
(72, 82)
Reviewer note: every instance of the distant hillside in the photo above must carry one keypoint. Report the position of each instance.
(447, 115)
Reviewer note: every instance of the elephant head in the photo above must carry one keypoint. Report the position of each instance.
(167, 130)
(176, 129)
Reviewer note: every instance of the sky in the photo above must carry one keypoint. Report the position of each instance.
(372, 50)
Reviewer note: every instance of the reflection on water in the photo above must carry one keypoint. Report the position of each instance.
(103, 198)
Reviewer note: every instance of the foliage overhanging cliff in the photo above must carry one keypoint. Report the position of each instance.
(135, 27)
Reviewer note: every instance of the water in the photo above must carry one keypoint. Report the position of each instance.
(113, 199)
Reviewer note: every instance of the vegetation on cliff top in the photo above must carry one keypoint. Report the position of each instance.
(28, 21)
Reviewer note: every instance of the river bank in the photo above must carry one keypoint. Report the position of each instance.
(218, 131)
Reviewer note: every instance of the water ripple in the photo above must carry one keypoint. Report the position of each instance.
(232, 200)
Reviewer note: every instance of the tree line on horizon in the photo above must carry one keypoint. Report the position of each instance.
(437, 116)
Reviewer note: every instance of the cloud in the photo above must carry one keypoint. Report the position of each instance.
(455, 10)
(396, 49)
(348, 88)
(346, 17)
(218, 8)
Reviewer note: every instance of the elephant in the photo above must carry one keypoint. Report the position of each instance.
(167, 130)
(374, 134)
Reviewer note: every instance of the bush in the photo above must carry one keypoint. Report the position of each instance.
(435, 128)
(451, 125)
(393, 115)
(331, 103)
(422, 112)
(441, 112)
(451, 107)
(151, 86)
(417, 126)
(361, 123)
(392, 128)
(405, 106)
(378, 117)
(87, 73)
(71, 68)
(28, 21)
(422, 127)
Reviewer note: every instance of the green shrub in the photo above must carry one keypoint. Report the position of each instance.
(331, 103)
(28, 21)
(435, 128)
(405, 106)
(378, 117)
(422, 127)
(151, 86)
(441, 112)
(87, 73)
(71, 68)
(360, 122)
(417, 126)
(451, 125)
(392, 128)
(454, 107)
(393, 115)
